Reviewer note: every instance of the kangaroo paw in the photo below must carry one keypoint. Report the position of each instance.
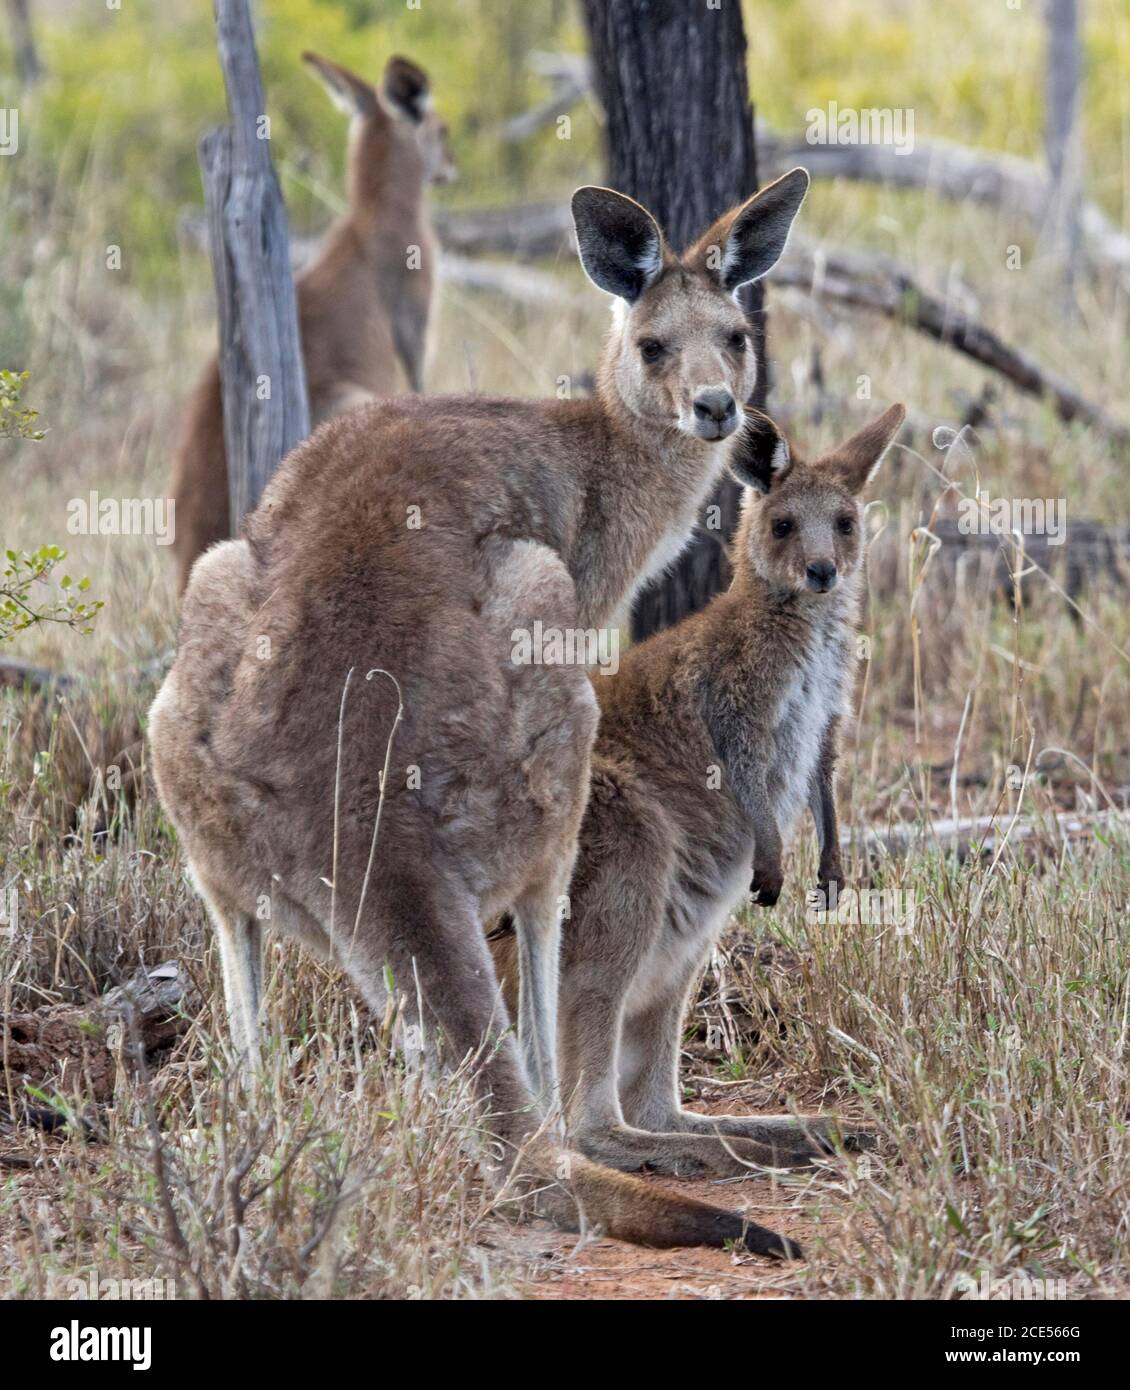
(685, 1155)
(630, 1151)
(765, 887)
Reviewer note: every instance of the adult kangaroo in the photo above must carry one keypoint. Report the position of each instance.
(409, 541)
(364, 302)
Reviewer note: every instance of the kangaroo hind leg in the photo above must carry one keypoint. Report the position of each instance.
(652, 1100)
(239, 936)
(552, 723)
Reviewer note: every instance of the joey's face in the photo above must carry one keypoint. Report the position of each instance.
(806, 533)
(801, 530)
(684, 356)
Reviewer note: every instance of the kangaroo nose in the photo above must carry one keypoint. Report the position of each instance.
(715, 403)
(821, 575)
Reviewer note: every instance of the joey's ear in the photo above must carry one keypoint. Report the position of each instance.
(748, 241)
(406, 89)
(760, 456)
(620, 244)
(348, 92)
(855, 461)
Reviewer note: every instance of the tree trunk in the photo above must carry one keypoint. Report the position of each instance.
(1061, 133)
(671, 77)
(263, 376)
(28, 66)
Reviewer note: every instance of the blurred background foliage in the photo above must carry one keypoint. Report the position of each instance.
(128, 92)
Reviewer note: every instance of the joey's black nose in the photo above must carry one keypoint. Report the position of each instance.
(820, 576)
(715, 403)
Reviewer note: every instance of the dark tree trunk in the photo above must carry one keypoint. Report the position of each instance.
(28, 66)
(671, 75)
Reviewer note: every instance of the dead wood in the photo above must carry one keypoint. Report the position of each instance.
(62, 1047)
(878, 284)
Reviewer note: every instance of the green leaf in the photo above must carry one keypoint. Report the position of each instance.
(955, 1220)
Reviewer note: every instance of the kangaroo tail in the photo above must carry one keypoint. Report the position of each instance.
(630, 1209)
(617, 1203)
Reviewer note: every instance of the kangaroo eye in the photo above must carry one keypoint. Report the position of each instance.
(845, 526)
(782, 527)
(737, 341)
(651, 349)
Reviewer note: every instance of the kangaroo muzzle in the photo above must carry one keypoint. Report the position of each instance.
(820, 576)
(715, 413)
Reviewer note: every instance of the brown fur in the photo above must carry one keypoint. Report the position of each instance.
(363, 314)
(754, 687)
(527, 511)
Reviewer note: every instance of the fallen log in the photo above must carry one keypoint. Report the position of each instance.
(1087, 549)
(521, 283)
(22, 675)
(526, 231)
(952, 171)
(64, 1046)
(538, 235)
(984, 834)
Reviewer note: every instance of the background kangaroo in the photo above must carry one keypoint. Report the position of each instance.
(754, 685)
(407, 541)
(363, 314)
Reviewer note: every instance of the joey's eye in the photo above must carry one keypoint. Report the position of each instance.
(737, 341)
(651, 349)
(846, 525)
(782, 527)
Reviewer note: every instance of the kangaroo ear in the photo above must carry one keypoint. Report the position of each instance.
(854, 462)
(760, 455)
(620, 244)
(748, 241)
(406, 88)
(348, 92)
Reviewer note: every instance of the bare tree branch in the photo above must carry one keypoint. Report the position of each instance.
(571, 77)
(876, 283)
(951, 171)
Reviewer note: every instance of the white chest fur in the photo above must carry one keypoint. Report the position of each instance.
(676, 537)
(815, 695)
(671, 545)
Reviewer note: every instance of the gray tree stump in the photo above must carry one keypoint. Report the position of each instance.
(266, 411)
